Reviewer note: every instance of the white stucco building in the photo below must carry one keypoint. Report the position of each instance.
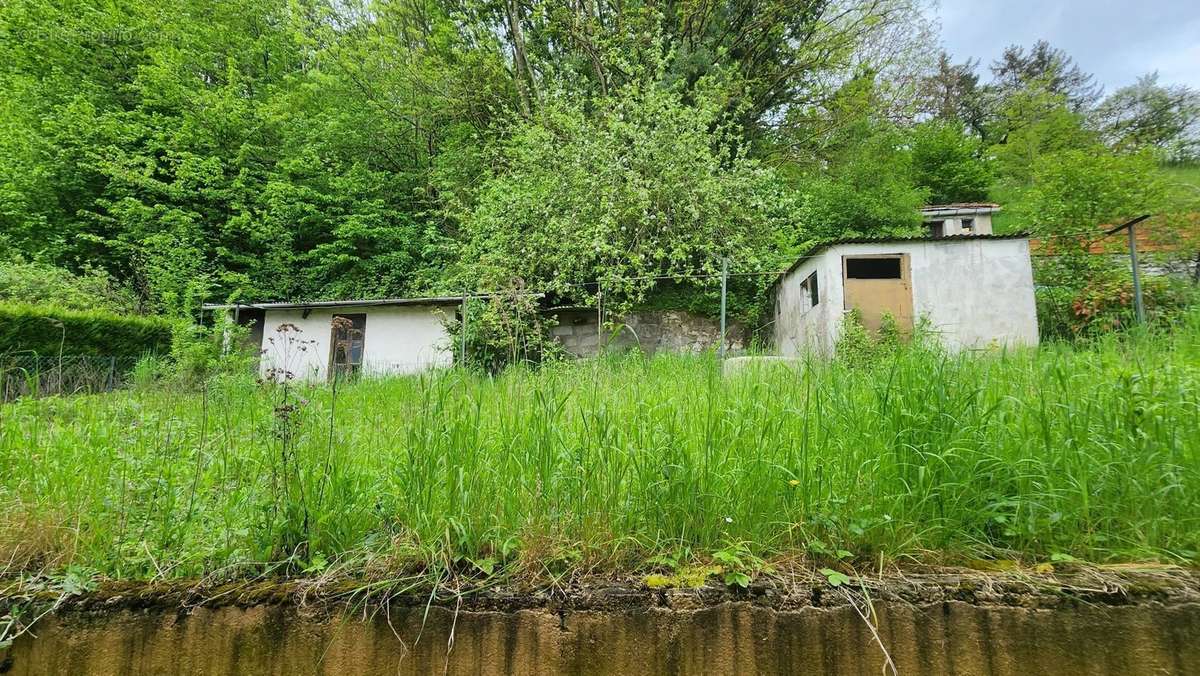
(388, 336)
(964, 218)
(972, 291)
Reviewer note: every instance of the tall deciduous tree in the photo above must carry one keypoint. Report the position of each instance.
(619, 189)
(1150, 115)
(951, 164)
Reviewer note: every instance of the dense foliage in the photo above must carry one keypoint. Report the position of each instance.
(48, 332)
(208, 149)
(91, 289)
(639, 184)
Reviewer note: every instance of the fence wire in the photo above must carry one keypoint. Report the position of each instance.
(26, 375)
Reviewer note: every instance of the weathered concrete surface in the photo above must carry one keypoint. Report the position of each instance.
(650, 331)
(972, 294)
(730, 637)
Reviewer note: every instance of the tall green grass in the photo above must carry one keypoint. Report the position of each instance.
(1092, 452)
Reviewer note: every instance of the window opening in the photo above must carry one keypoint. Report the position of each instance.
(873, 268)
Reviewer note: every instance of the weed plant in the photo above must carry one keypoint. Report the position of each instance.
(621, 464)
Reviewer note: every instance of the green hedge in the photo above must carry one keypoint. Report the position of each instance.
(44, 330)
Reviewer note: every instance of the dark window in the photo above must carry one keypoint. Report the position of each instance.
(937, 229)
(254, 318)
(968, 225)
(873, 268)
(814, 296)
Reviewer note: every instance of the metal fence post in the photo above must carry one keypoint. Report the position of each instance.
(1133, 261)
(599, 317)
(463, 328)
(1137, 280)
(724, 285)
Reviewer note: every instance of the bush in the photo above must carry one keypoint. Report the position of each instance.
(1080, 296)
(51, 331)
(504, 330)
(856, 347)
(42, 284)
(1106, 303)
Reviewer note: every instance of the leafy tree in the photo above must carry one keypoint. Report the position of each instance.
(852, 169)
(949, 163)
(1074, 194)
(43, 284)
(1076, 191)
(773, 55)
(643, 186)
(1149, 115)
(869, 193)
(1031, 124)
(1056, 72)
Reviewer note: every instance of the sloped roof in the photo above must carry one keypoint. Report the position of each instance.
(957, 208)
(961, 205)
(301, 305)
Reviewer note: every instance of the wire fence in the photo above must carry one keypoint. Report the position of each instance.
(28, 375)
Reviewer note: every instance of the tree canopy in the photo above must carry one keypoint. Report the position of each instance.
(209, 150)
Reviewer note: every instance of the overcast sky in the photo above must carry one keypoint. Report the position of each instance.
(1115, 41)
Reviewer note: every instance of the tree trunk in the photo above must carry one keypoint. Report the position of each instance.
(521, 69)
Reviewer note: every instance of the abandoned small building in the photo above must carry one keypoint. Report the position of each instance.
(971, 291)
(387, 336)
(967, 218)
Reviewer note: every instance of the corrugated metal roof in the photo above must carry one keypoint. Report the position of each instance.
(298, 305)
(960, 205)
(819, 248)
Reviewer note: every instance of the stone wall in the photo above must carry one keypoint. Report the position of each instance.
(649, 330)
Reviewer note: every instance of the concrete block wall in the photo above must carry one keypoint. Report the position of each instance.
(650, 331)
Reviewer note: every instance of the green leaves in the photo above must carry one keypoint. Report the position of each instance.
(835, 578)
(950, 163)
(737, 564)
(49, 332)
(642, 185)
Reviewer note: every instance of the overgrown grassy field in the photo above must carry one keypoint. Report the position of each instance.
(621, 464)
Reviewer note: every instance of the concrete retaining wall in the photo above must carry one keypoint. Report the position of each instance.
(728, 638)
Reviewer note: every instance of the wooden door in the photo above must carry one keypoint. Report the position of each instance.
(347, 344)
(879, 284)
